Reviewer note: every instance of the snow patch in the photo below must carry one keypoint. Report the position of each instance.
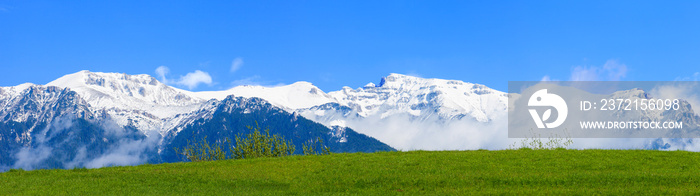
(290, 97)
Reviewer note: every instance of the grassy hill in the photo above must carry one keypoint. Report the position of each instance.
(442, 172)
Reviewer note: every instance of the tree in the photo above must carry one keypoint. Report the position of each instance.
(312, 147)
(256, 144)
(202, 151)
(253, 145)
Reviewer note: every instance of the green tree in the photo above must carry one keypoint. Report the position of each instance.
(202, 151)
(313, 147)
(256, 144)
(253, 145)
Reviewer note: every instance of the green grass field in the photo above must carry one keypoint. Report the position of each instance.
(416, 172)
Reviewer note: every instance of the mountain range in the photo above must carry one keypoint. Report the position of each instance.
(93, 119)
(90, 119)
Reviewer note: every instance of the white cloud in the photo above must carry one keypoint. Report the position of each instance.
(126, 152)
(236, 64)
(414, 74)
(584, 74)
(610, 71)
(404, 132)
(615, 71)
(29, 157)
(190, 80)
(161, 72)
(193, 79)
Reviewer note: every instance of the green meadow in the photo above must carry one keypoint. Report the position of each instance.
(521, 171)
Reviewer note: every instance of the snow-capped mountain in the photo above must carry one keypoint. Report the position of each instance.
(103, 111)
(49, 126)
(396, 94)
(37, 106)
(409, 112)
(423, 98)
(233, 115)
(132, 100)
(295, 96)
(392, 110)
(97, 119)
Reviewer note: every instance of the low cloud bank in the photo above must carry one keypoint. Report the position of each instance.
(67, 144)
(405, 133)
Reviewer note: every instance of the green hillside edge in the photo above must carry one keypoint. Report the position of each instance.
(423, 172)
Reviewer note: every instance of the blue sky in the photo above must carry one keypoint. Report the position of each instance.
(350, 43)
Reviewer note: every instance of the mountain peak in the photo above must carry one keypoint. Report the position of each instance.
(370, 85)
(416, 96)
(85, 78)
(293, 96)
(302, 84)
(396, 78)
(631, 93)
(397, 81)
(16, 89)
(124, 91)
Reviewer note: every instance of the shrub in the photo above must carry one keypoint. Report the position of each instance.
(256, 144)
(202, 151)
(253, 145)
(312, 147)
(537, 143)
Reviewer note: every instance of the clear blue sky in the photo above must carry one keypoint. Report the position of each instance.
(350, 43)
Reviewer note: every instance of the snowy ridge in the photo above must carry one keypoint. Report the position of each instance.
(25, 101)
(290, 97)
(40, 105)
(10, 97)
(403, 111)
(143, 102)
(402, 94)
(12, 91)
(147, 104)
(395, 95)
(105, 90)
(85, 118)
(132, 100)
(409, 112)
